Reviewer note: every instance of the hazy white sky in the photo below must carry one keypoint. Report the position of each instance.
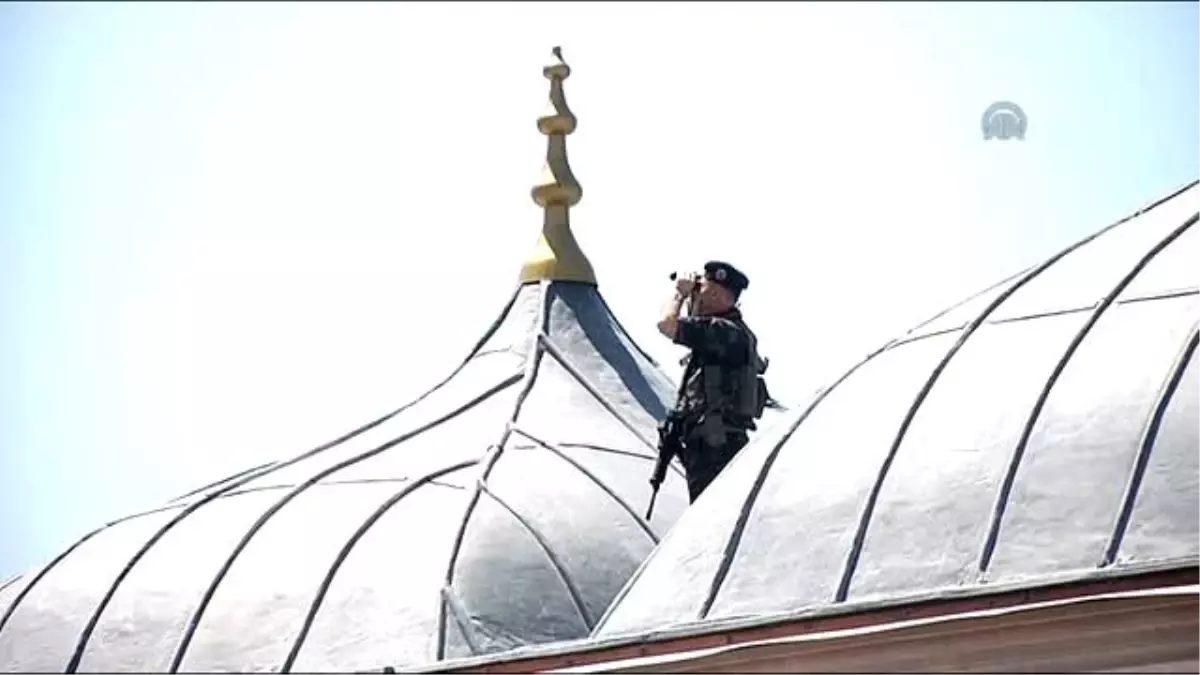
(230, 232)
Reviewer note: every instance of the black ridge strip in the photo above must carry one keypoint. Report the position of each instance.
(989, 546)
(739, 528)
(62, 556)
(864, 521)
(592, 477)
(534, 360)
(331, 483)
(735, 536)
(222, 481)
(1161, 295)
(1045, 315)
(344, 553)
(1158, 202)
(562, 360)
(1149, 436)
(10, 581)
(1158, 295)
(544, 545)
(743, 517)
(274, 466)
(962, 302)
(198, 613)
(452, 604)
(599, 448)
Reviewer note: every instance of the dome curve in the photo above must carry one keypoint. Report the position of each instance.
(501, 508)
(1041, 431)
(297, 561)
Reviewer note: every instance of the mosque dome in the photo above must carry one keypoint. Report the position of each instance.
(1042, 433)
(502, 508)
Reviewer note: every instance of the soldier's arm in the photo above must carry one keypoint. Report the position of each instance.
(717, 339)
(668, 325)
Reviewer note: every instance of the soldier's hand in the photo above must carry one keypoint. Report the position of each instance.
(685, 285)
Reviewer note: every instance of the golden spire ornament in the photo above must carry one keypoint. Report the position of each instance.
(557, 256)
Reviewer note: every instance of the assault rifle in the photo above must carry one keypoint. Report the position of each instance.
(669, 447)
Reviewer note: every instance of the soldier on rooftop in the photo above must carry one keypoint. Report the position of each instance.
(722, 392)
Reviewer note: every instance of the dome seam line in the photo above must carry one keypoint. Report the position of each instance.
(344, 553)
(528, 378)
(246, 477)
(544, 545)
(1147, 445)
(562, 360)
(461, 618)
(626, 453)
(645, 525)
(868, 509)
(1147, 297)
(1018, 454)
(271, 467)
(198, 612)
(735, 536)
(57, 560)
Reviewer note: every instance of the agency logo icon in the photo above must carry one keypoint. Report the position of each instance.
(1004, 120)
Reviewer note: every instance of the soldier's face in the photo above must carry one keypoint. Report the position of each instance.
(713, 298)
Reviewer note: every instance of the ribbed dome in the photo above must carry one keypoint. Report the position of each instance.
(1045, 430)
(502, 508)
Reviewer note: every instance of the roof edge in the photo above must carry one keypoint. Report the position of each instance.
(697, 635)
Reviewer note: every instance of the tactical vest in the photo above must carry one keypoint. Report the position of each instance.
(749, 394)
(734, 396)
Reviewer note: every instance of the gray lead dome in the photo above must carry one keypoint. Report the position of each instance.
(503, 508)
(1042, 431)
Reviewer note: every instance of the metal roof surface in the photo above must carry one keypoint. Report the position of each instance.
(503, 508)
(1042, 430)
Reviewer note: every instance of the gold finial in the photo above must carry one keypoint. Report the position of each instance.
(557, 256)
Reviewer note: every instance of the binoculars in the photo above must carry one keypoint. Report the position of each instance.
(696, 276)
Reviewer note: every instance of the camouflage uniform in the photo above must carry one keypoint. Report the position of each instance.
(711, 432)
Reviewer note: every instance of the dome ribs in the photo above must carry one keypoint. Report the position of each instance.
(528, 378)
(453, 604)
(548, 344)
(743, 519)
(989, 546)
(227, 479)
(10, 581)
(1160, 295)
(198, 613)
(1149, 437)
(904, 339)
(599, 483)
(559, 568)
(615, 451)
(344, 553)
(244, 477)
(735, 537)
(16, 601)
(864, 522)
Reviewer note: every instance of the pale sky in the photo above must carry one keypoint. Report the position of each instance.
(231, 232)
